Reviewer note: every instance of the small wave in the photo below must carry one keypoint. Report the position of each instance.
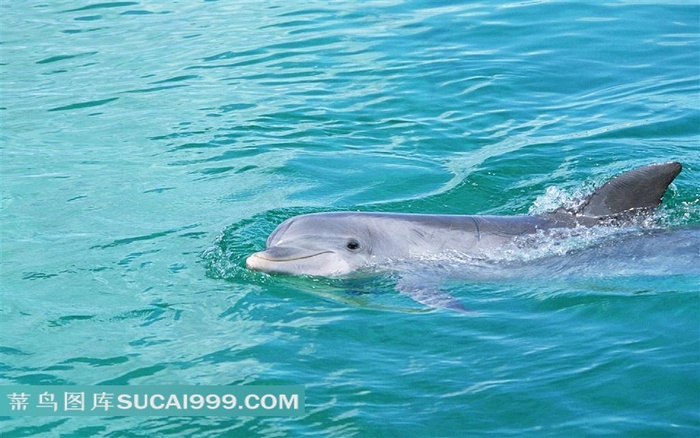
(225, 258)
(554, 198)
(560, 242)
(574, 253)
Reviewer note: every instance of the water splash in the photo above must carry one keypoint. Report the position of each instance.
(554, 198)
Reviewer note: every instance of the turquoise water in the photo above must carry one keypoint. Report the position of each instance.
(148, 147)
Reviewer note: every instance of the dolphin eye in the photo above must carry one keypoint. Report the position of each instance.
(353, 245)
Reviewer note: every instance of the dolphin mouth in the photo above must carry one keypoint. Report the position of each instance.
(273, 259)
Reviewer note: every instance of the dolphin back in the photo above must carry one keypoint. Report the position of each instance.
(636, 191)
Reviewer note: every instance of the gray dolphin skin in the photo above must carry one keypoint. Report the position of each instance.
(339, 243)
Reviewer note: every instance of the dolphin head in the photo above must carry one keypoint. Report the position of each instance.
(322, 244)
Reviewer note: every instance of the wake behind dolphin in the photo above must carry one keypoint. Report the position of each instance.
(339, 243)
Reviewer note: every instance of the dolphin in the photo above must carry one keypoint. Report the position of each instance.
(335, 244)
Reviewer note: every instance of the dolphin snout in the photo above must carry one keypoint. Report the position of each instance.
(253, 261)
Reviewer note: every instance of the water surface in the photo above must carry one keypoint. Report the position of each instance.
(147, 148)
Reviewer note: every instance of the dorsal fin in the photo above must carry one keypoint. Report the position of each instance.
(635, 191)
